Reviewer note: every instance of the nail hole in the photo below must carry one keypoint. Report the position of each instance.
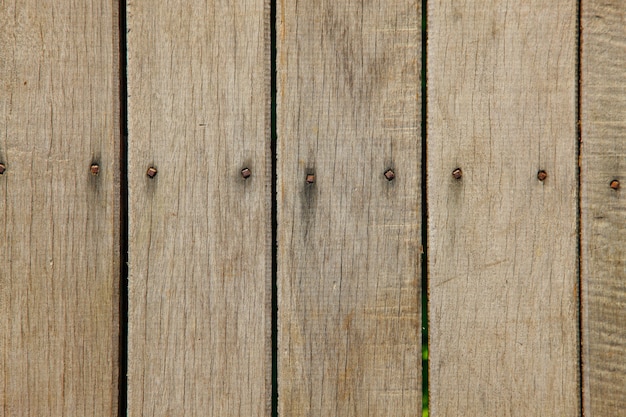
(310, 178)
(542, 175)
(615, 184)
(94, 169)
(151, 172)
(246, 173)
(389, 174)
(457, 174)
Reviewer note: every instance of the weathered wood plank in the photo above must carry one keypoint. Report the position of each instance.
(503, 259)
(59, 250)
(348, 238)
(199, 233)
(604, 208)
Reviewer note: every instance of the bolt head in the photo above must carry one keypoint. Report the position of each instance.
(246, 173)
(542, 175)
(2, 168)
(151, 172)
(457, 174)
(389, 174)
(310, 178)
(615, 184)
(94, 169)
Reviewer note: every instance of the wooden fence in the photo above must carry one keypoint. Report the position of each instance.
(230, 207)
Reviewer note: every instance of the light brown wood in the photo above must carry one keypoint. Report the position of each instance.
(59, 244)
(199, 234)
(503, 280)
(349, 242)
(603, 93)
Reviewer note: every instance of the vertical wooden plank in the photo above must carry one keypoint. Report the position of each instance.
(59, 249)
(503, 280)
(603, 207)
(349, 238)
(199, 233)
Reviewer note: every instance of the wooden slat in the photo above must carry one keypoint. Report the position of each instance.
(199, 233)
(349, 242)
(59, 250)
(503, 280)
(604, 208)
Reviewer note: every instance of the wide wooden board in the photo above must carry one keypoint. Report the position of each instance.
(603, 156)
(349, 238)
(59, 244)
(503, 278)
(199, 233)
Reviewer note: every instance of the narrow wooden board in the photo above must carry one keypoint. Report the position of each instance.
(603, 208)
(59, 250)
(503, 280)
(199, 233)
(349, 242)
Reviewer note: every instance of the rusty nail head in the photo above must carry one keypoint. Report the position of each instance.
(151, 172)
(542, 175)
(94, 169)
(615, 184)
(389, 174)
(457, 173)
(310, 178)
(2, 168)
(246, 173)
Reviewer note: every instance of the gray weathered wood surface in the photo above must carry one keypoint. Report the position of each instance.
(199, 233)
(503, 245)
(59, 250)
(603, 159)
(503, 279)
(349, 242)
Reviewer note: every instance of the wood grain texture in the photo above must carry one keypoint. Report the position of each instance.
(349, 243)
(59, 249)
(199, 234)
(603, 208)
(503, 281)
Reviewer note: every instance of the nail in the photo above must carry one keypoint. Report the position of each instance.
(94, 169)
(542, 175)
(615, 184)
(246, 173)
(310, 178)
(457, 173)
(151, 172)
(2, 168)
(389, 174)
